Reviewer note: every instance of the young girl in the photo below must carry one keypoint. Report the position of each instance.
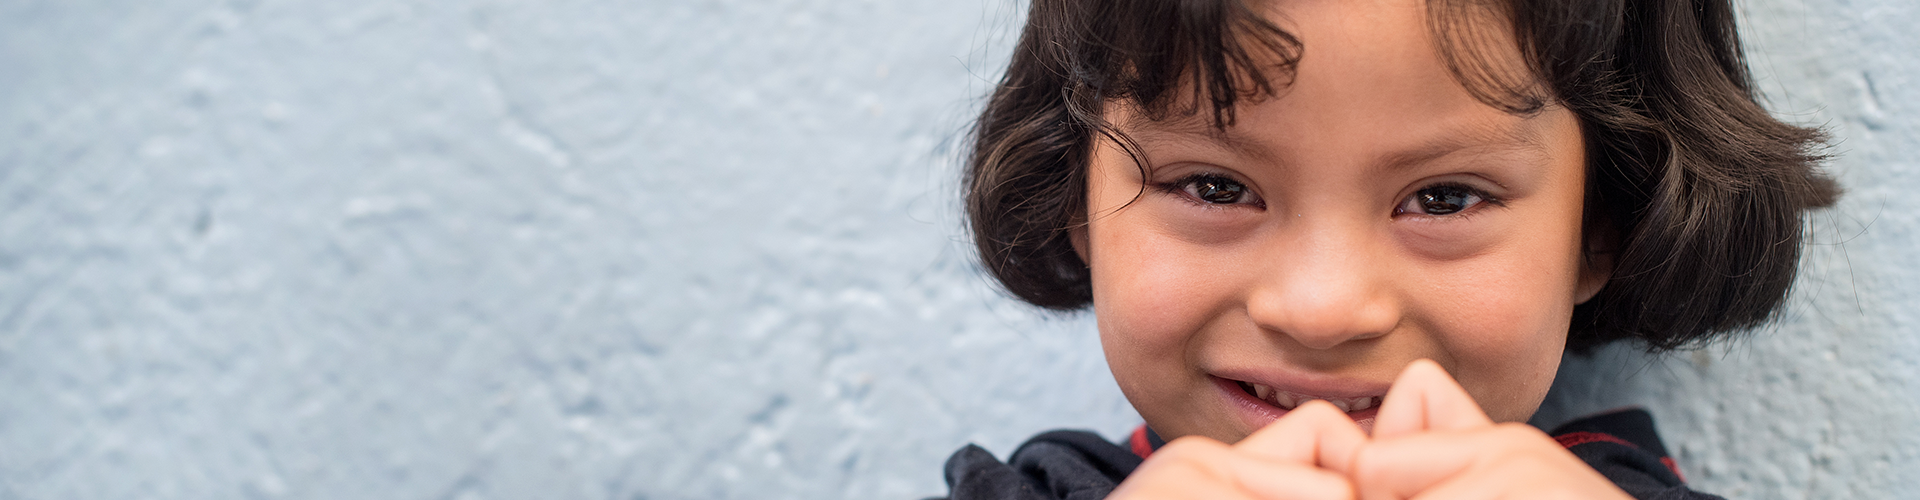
(1336, 248)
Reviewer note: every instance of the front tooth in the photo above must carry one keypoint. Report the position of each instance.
(1345, 405)
(1261, 391)
(1362, 404)
(1284, 400)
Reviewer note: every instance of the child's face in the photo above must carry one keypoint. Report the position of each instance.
(1372, 214)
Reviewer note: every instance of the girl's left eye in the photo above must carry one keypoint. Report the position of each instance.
(1443, 199)
(1214, 189)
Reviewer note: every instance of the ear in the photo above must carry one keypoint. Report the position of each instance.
(1596, 263)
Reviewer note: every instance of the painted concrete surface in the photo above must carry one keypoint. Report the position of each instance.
(700, 249)
(1826, 403)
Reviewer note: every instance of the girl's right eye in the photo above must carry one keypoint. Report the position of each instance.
(1214, 189)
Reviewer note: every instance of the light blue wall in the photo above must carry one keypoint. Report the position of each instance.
(1825, 404)
(694, 249)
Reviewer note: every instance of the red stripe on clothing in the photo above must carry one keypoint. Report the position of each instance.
(1139, 442)
(1573, 439)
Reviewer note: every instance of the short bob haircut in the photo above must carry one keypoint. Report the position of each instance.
(1694, 191)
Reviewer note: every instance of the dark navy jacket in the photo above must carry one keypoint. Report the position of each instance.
(1080, 465)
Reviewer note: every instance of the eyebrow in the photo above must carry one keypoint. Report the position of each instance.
(1519, 137)
(1185, 128)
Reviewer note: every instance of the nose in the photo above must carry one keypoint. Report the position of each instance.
(1324, 287)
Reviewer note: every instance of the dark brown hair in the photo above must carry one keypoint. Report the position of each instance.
(1695, 193)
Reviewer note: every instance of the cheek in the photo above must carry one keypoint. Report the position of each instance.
(1506, 329)
(1152, 285)
(1148, 297)
(1154, 297)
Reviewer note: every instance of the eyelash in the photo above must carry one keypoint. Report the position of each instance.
(1179, 187)
(1464, 213)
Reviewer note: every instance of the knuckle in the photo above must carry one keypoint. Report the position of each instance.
(1368, 468)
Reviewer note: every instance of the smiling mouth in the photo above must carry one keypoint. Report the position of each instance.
(1288, 400)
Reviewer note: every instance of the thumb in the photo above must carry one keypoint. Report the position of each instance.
(1424, 398)
(1315, 433)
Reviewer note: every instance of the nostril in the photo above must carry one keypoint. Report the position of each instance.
(1323, 326)
(1330, 293)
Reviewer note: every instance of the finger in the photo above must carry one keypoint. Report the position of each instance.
(1425, 398)
(1507, 460)
(1315, 433)
(1523, 480)
(1176, 487)
(1189, 467)
(1291, 481)
(1203, 468)
(1399, 468)
(1468, 485)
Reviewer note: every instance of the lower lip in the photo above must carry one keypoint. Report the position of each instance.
(1257, 413)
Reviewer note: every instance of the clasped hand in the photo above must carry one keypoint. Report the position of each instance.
(1430, 441)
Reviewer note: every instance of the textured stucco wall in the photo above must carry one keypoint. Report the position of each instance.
(1825, 404)
(694, 249)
